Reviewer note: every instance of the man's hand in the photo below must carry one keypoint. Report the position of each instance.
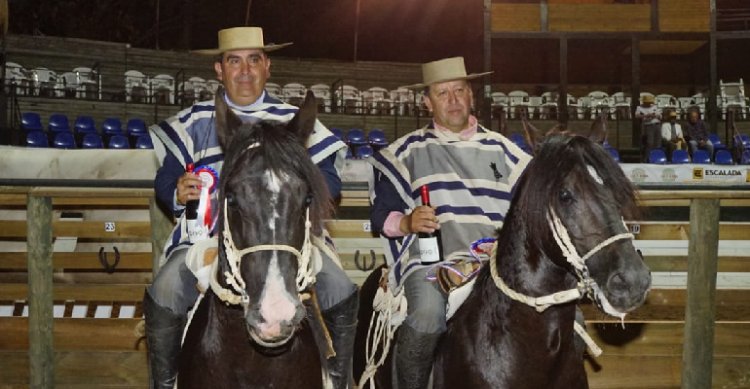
(423, 219)
(188, 188)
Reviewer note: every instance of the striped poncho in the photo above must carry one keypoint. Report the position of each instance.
(190, 137)
(470, 181)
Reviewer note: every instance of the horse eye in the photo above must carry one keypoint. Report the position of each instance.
(230, 199)
(308, 199)
(565, 197)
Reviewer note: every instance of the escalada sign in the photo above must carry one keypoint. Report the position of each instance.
(722, 172)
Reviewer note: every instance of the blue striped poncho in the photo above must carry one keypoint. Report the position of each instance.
(190, 137)
(471, 184)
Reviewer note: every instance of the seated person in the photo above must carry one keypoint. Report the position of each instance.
(697, 132)
(671, 135)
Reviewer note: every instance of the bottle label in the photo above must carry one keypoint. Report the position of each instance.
(429, 252)
(196, 230)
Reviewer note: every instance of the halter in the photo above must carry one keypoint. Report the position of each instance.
(585, 284)
(236, 293)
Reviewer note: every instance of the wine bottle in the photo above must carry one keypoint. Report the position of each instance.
(195, 229)
(429, 243)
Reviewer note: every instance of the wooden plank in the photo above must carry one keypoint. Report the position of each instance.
(515, 17)
(681, 231)
(80, 260)
(669, 305)
(83, 229)
(76, 334)
(82, 369)
(12, 199)
(679, 263)
(693, 194)
(684, 15)
(39, 247)
(129, 202)
(349, 228)
(657, 372)
(86, 193)
(90, 292)
(599, 17)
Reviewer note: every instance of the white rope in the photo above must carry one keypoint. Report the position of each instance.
(560, 233)
(389, 312)
(236, 293)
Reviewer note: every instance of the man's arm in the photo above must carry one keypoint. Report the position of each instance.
(333, 181)
(165, 183)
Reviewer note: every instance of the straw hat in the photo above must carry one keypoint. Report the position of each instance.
(241, 38)
(672, 114)
(449, 69)
(648, 98)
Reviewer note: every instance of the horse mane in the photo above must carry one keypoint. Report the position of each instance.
(283, 152)
(545, 175)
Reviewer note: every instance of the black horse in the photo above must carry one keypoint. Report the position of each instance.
(257, 335)
(495, 341)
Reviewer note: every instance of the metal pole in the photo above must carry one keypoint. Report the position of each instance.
(39, 249)
(700, 309)
(356, 29)
(487, 54)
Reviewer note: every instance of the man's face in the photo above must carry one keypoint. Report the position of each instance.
(693, 116)
(450, 103)
(244, 74)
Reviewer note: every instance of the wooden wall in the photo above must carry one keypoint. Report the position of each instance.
(684, 15)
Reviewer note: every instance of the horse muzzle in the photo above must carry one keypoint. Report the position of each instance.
(273, 331)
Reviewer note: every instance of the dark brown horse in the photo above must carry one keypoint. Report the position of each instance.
(257, 335)
(495, 341)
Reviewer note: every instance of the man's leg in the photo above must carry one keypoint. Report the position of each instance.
(418, 337)
(339, 301)
(693, 146)
(710, 148)
(165, 306)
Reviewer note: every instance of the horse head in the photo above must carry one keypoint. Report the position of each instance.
(272, 199)
(585, 198)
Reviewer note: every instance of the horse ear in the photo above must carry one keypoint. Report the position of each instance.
(304, 122)
(533, 135)
(598, 133)
(226, 121)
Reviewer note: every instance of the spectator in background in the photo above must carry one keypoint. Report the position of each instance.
(650, 117)
(697, 133)
(671, 135)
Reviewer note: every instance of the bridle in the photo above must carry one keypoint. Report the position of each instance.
(586, 284)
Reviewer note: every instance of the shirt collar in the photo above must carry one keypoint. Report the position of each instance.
(255, 105)
(466, 133)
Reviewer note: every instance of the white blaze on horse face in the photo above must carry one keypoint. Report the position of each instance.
(595, 175)
(276, 304)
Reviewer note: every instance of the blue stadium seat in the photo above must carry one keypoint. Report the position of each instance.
(64, 140)
(92, 141)
(111, 126)
(743, 141)
(339, 134)
(518, 139)
(701, 156)
(144, 142)
(31, 121)
(745, 159)
(680, 156)
(364, 151)
(85, 124)
(118, 141)
(136, 127)
(36, 139)
(716, 141)
(724, 157)
(657, 156)
(377, 139)
(356, 137)
(614, 153)
(58, 123)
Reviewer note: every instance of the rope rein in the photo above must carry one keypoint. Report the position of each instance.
(236, 293)
(584, 285)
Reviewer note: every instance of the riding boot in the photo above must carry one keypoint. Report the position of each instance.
(341, 321)
(164, 336)
(415, 354)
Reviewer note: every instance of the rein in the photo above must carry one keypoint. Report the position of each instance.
(236, 293)
(584, 285)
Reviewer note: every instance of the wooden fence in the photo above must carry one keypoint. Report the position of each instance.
(697, 337)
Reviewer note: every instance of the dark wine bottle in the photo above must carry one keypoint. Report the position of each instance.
(430, 244)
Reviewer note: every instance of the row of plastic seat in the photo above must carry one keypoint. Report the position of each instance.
(66, 140)
(722, 157)
(84, 133)
(361, 145)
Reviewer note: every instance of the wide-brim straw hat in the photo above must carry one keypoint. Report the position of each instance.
(648, 98)
(443, 70)
(241, 38)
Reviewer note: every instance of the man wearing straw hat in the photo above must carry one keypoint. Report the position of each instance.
(470, 172)
(650, 117)
(189, 139)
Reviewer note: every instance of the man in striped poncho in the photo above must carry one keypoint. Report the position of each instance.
(243, 66)
(471, 173)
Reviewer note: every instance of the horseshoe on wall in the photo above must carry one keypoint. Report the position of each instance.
(105, 261)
